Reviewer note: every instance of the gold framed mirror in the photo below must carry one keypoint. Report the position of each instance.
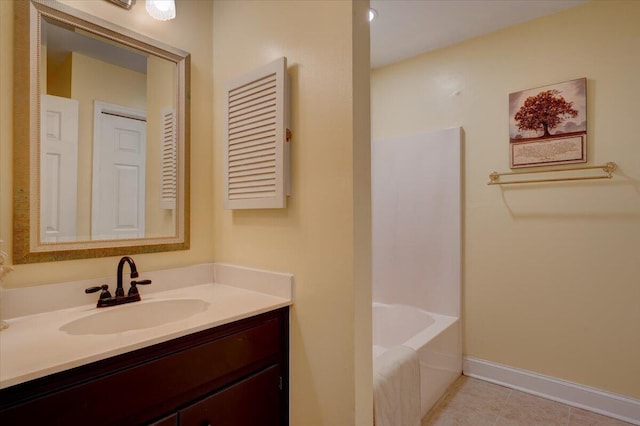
(101, 138)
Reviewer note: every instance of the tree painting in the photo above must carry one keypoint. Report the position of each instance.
(548, 125)
(544, 111)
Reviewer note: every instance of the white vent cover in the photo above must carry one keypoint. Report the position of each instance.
(169, 169)
(256, 166)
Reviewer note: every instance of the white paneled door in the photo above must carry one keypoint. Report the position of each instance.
(118, 207)
(58, 168)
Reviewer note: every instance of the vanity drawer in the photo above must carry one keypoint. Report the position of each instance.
(180, 374)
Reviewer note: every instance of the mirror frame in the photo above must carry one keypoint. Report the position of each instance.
(27, 247)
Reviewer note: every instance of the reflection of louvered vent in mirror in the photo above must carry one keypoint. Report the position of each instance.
(169, 160)
(256, 167)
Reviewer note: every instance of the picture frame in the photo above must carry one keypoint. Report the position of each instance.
(548, 125)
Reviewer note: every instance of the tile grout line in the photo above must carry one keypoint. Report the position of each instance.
(503, 407)
(569, 416)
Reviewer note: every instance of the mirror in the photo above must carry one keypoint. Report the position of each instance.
(101, 138)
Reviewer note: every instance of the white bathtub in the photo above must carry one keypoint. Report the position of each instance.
(436, 338)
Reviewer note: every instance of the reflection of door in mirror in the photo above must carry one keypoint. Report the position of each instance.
(58, 168)
(119, 164)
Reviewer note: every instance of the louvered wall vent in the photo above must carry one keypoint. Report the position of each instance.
(169, 160)
(256, 167)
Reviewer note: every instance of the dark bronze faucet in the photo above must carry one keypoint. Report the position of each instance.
(132, 296)
(134, 273)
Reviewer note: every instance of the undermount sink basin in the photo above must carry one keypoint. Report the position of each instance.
(135, 316)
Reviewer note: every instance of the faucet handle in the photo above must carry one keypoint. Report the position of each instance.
(104, 294)
(134, 289)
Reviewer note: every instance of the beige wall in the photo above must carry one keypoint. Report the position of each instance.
(58, 79)
(93, 79)
(190, 31)
(551, 272)
(318, 236)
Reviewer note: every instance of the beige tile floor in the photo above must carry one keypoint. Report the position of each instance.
(475, 402)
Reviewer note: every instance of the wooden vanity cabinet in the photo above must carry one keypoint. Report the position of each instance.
(235, 375)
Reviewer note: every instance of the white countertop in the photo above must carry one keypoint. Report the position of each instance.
(35, 345)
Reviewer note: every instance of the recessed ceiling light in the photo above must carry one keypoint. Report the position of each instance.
(372, 14)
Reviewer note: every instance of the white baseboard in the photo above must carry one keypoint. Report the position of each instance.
(592, 399)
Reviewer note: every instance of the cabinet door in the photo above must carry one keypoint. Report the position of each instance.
(254, 401)
(171, 420)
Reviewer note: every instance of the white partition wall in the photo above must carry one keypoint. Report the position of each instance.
(416, 209)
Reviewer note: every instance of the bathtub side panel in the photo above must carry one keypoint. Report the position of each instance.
(440, 365)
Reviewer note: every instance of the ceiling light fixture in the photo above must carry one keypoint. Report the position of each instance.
(372, 14)
(162, 10)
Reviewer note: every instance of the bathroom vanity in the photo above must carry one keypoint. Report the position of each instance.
(234, 374)
(226, 363)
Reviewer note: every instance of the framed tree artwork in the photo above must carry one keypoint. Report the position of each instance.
(548, 125)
